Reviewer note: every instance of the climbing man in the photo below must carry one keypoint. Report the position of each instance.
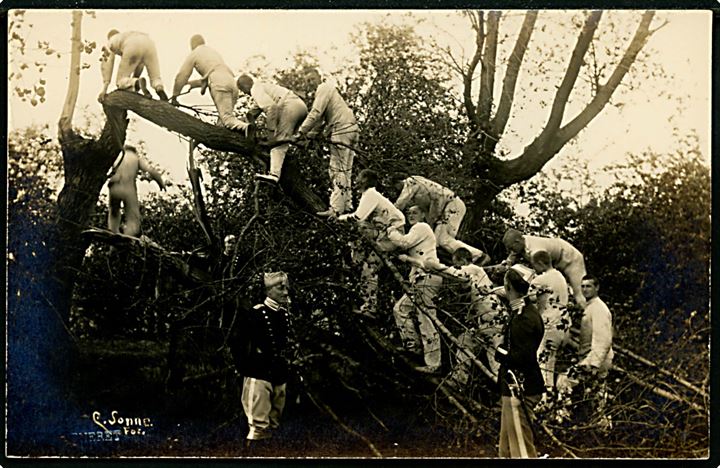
(445, 211)
(260, 349)
(123, 190)
(418, 305)
(138, 52)
(487, 317)
(329, 106)
(217, 76)
(375, 214)
(566, 258)
(550, 290)
(284, 111)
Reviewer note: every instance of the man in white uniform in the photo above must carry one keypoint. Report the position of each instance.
(216, 75)
(284, 111)
(138, 52)
(329, 106)
(375, 215)
(566, 258)
(420, 244)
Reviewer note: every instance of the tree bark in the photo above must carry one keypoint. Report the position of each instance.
(218, 138)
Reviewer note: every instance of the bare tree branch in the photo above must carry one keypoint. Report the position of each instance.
(65, 123)
(487, 74)
(511, 74)
(642, 34)
(566, 86)
(478, 25)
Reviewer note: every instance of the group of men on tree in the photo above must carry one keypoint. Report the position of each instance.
(517, 328)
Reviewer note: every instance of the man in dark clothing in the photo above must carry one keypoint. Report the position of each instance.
(260, 355)
(521, 382)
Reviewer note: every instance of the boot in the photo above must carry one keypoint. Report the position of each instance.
(161, 93)
(142, 84)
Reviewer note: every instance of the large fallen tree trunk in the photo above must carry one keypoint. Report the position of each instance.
(218, 138)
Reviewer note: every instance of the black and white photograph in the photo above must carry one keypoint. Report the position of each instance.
(358, 234)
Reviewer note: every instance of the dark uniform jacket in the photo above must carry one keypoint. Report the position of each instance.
(522, 339)
(260, 344)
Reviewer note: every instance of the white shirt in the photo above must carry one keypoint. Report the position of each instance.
(596, 335)
(561, 251)
(374, 207)
(267, 95)
(552, 291)
(419, 242)
(475, 275)
(329, 106)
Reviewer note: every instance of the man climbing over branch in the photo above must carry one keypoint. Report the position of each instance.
(138, 52)
(217, 76)
(284, 111)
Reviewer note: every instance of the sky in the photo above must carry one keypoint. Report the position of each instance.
(681, 47)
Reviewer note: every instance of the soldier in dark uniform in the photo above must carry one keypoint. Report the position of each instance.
(521, 382)
(260, 350)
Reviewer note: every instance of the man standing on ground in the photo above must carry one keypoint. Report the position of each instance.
(595, 343)
(595, 348)
(260, 354)
(329, 106)
(521, 382)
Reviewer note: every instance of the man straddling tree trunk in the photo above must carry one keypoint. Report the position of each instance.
(217, 76)
(260, 351)
(284, 111)
(329, 106)
(138, 52)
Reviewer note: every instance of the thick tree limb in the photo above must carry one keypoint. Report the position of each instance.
(487, 74)
(568, 82)
(502, 115)
(215, 137)
(65, 123)
(172, 259)
(478, 24)
(642, 34)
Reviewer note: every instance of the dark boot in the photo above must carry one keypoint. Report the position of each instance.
(161, 94)
(254, 448)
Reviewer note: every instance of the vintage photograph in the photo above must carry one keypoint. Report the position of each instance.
(464, 234)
